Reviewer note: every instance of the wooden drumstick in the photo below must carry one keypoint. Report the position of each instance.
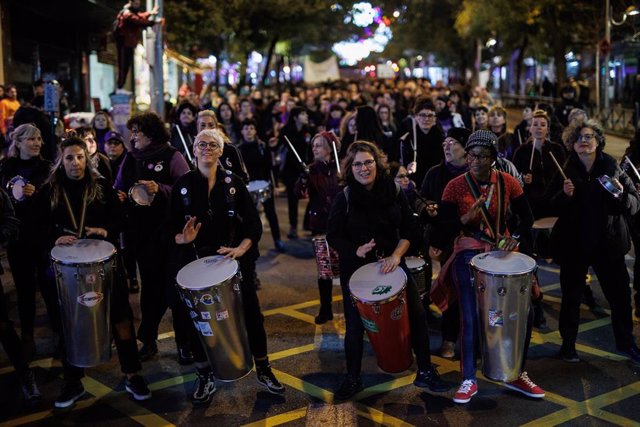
(558, 165)
(335, 152)
(533, 150)
(294, 151)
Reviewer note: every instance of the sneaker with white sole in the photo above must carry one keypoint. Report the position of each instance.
(267, 379)
(467, 390)
(525, 386)
(137, 388)
(71, 392)
(204, 388)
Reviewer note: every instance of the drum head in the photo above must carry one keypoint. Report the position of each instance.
(414, 262)
(503, 262)
(368, 284)
(257, 185)
(16, 188)
(139, 195)
(545, 223)
(83, 251)
(206, 272)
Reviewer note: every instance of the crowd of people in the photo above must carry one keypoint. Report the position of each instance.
(390, 169)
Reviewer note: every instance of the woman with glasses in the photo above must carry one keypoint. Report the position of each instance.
(592, 231)
(206, 196)
(461, 217)
(534, 161)
(371, 221)
(422, 147)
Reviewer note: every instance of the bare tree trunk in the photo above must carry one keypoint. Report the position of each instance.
(272, 48)
(519, 60)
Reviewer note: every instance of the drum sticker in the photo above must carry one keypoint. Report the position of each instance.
(222, 315)
(90, 299)
(496, 318)
(370, 325)
(205, 315)
(381, 290)
(513, 316)
(187, 301)
(206, 299)
(193, 314)
(158, 167)
(205, 329)
(396, 314)
(90, 279)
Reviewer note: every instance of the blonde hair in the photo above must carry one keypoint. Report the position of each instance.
(21, 133)
(214, 134)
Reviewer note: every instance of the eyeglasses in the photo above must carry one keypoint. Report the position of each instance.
(449, 141)
(402, 176)
(480, 157)
(367, 163)
(586, 137)
(213, 146)
(426, 115)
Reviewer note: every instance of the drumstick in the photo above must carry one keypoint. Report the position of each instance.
(558, 165)
(519, 137)
(335, 152)
(415, 142)
(184, 143)
(533, 150)
(294, 150)
(635, 170)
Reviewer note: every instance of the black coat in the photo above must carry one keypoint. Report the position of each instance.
(592, 223)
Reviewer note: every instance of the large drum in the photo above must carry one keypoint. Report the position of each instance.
(417, 267)
(84, 277)
(381, 300)
(260, 191)
(210, 288)
(541, 231)
(326, 258)
(503, 283)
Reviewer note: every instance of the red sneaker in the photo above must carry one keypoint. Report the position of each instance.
(467, 390)
(525, 386)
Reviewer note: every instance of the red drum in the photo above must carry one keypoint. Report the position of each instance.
(381, 300)
(326, 259)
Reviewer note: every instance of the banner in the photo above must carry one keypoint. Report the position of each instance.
(315, 72)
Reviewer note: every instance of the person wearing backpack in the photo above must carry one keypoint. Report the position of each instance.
(127, 33)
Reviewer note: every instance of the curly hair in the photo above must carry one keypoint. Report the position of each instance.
(21, 133)
(58, 173)
(359, 146)
(575, 129)
(152, 126)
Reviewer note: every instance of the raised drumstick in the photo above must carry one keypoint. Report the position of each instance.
(558, 165)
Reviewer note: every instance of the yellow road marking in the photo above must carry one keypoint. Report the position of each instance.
(550, 287)
(583, 307)
(291, 352)
(306, 304)
(277, 420)
(379, 417)
(303, 386)
(46, 363)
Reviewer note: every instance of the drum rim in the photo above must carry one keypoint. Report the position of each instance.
(199, 260)
(96, 261)
(502, 273)
(134, 200)
(12, 182)
(382, 301)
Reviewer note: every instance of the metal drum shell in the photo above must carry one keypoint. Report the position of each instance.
(260, 191)
(218, 315)
(503, 303)
(418, 273)
(84, 297)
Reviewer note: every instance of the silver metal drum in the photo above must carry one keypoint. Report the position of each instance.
(503, 287)
(260, 191)
(84, 276)
(210, 288)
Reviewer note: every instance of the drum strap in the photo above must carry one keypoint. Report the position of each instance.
(496, 229)
(78, 226)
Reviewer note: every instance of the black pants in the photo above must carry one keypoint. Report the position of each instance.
(636, 268)
(292, 200)
(155, 296)
(121, 328)
(270, 212)
(27, 270)
(614, 280)
(125, 61)
(253, 318)
(353, 340)
(9, 338)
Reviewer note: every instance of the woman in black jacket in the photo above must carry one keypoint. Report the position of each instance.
(371, 221)
(592, 231)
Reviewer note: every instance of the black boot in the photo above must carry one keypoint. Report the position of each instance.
(326, 312)
(431, 379)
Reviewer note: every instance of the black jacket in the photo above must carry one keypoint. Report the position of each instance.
(592, 223)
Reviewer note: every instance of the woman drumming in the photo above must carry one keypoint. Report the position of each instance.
(320, 185)
(24, 159)
(371, 221)
(592, 231)
(214, 193)
(460, 214)
(74, 187)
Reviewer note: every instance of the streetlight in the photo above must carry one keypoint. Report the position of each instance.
(630, 11)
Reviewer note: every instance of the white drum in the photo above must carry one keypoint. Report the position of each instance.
(15, 188)
(139, 196)
(210, 288)
(84, 277)
(503, 283)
